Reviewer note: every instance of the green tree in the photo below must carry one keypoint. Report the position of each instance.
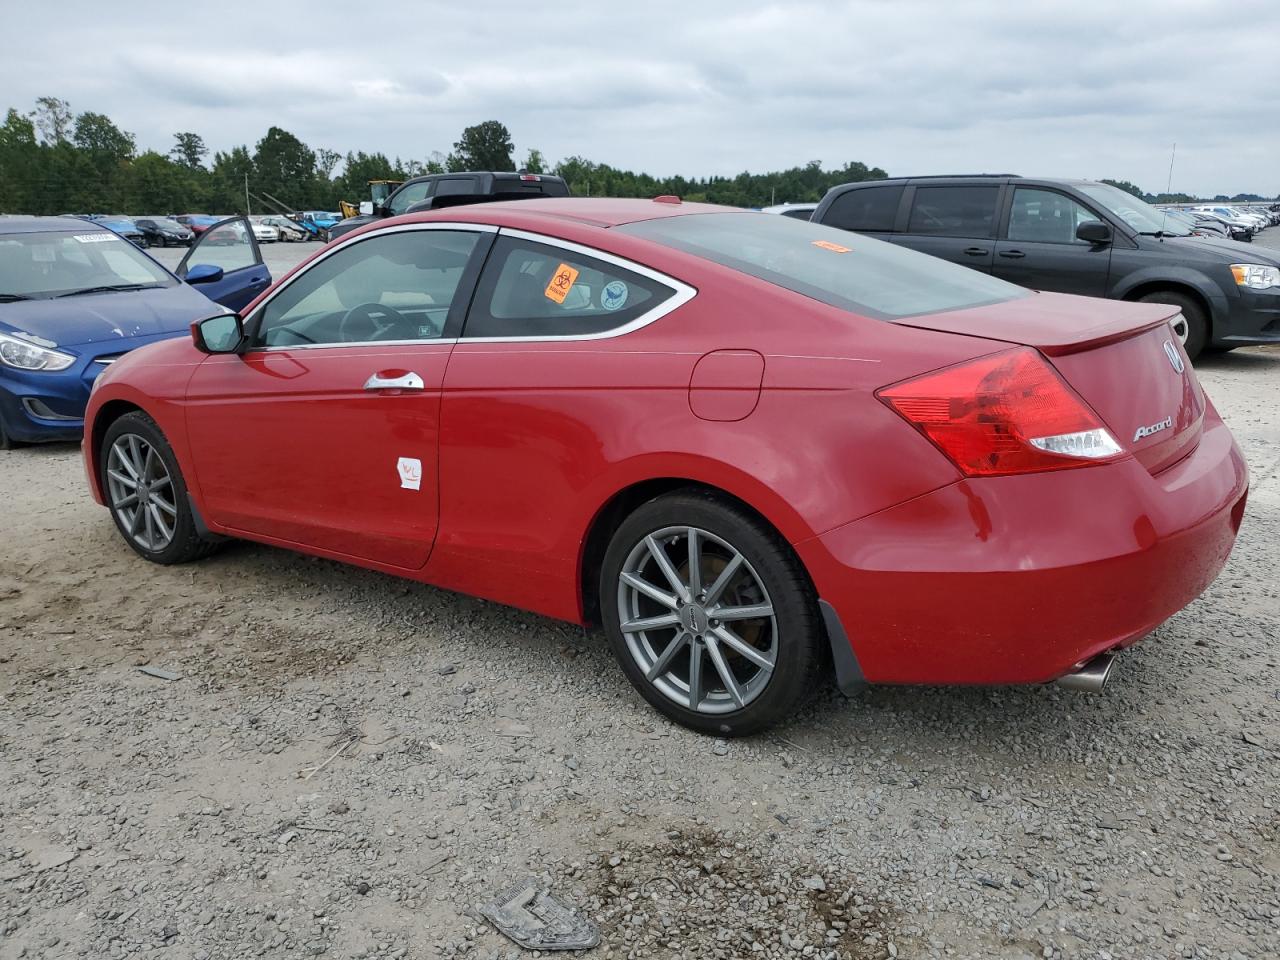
(52, 116)
(283, 166)
(486, 146)
(226, 181)
(535, 162)
(19, 163)
(189, 150)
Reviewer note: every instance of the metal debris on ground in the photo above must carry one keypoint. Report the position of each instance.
(531, 916)
(160, 674)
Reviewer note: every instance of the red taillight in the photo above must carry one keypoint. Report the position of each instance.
(1002, 414)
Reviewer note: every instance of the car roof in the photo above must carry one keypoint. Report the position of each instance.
(593, 211)
(47, 225)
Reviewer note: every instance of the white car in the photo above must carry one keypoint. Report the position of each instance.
(797, 211)
(289, 231)
(264, 232)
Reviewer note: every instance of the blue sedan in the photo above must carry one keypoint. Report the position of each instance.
(74, 296)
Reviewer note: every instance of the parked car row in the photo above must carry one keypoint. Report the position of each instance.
(1081, 237)
(75, 297)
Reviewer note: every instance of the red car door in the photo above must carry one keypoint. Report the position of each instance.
(324, 431)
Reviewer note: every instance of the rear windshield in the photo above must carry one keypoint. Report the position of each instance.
(856, 273)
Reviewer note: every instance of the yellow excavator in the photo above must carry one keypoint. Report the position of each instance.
(379, 190)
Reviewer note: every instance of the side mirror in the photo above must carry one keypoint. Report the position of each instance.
(366, 208)
(1093, 231)
(221, 334)
(204, 273)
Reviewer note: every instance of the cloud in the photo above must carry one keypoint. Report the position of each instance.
(1096, 89)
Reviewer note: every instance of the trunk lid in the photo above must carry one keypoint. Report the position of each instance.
(1123, 359)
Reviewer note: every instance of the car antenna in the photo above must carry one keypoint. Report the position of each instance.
(1168, 190)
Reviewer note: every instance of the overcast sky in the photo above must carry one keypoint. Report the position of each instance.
(1099, 88)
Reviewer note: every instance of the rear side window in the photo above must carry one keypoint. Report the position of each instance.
(860, 274)
(954, 211)
(865, 208)
(532, 289)
(454, 186)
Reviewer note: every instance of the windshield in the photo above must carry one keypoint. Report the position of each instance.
(1140, 215)
(42, 265)
(846, 270)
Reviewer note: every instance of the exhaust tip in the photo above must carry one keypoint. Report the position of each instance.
(1092, 677)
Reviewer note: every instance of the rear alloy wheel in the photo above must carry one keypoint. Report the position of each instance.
(146, 492)
(710, 614)
(1191, 327)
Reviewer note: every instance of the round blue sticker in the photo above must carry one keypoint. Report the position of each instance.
(614, 295)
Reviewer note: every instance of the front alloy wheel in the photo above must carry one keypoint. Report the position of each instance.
(710, 613)
(146, 492)
(141, 492)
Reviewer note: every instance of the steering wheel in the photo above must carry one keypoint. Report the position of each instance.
(359, 324)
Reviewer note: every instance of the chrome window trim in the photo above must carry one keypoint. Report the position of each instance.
(682, 294)
(341, 244)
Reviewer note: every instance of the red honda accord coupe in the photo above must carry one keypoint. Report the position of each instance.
(756, 450)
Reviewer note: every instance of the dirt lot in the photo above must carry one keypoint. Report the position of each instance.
(350, 763)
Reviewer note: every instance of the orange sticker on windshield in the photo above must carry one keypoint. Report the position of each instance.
(561, 283)
(833, 247)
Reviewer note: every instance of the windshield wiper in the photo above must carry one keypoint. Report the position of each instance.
(1161, 234)
(110, 288)
(12, 297)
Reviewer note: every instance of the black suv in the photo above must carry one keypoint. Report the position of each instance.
(438, 190)
(1074, 236)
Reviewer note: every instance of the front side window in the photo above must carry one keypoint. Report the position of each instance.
(860, 274)
(532, 289)
(1046, 216)
(391, 286)
(229, 245)
(407, 196)
(865, 208)
(960, 211)
(41, 265)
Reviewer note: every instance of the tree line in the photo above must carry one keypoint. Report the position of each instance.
(55, 161)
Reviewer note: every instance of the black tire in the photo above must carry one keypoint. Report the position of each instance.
(186, 543)
(6, 442)
(796, 633)
(1197, 323)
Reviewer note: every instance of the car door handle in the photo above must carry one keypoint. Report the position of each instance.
(1012, 254)
(394, 380)
(976, 251)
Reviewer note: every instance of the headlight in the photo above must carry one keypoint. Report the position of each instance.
(24, 355)
(1256, 275)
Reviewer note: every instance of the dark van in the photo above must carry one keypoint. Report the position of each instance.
(1074, 236)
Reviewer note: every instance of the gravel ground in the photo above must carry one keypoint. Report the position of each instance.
(350, 764)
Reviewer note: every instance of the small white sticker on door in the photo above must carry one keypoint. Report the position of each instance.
(410, 473)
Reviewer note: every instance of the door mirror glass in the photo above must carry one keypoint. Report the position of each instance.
(204, 273)
(1093, 231)
(366, 208)
(222, 334)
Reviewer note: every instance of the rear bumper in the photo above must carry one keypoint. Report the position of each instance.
(1020, 579)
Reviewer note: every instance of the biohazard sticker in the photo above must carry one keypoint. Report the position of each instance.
(410, 470)
(614, 295)
(562, 282)
(833, 247)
